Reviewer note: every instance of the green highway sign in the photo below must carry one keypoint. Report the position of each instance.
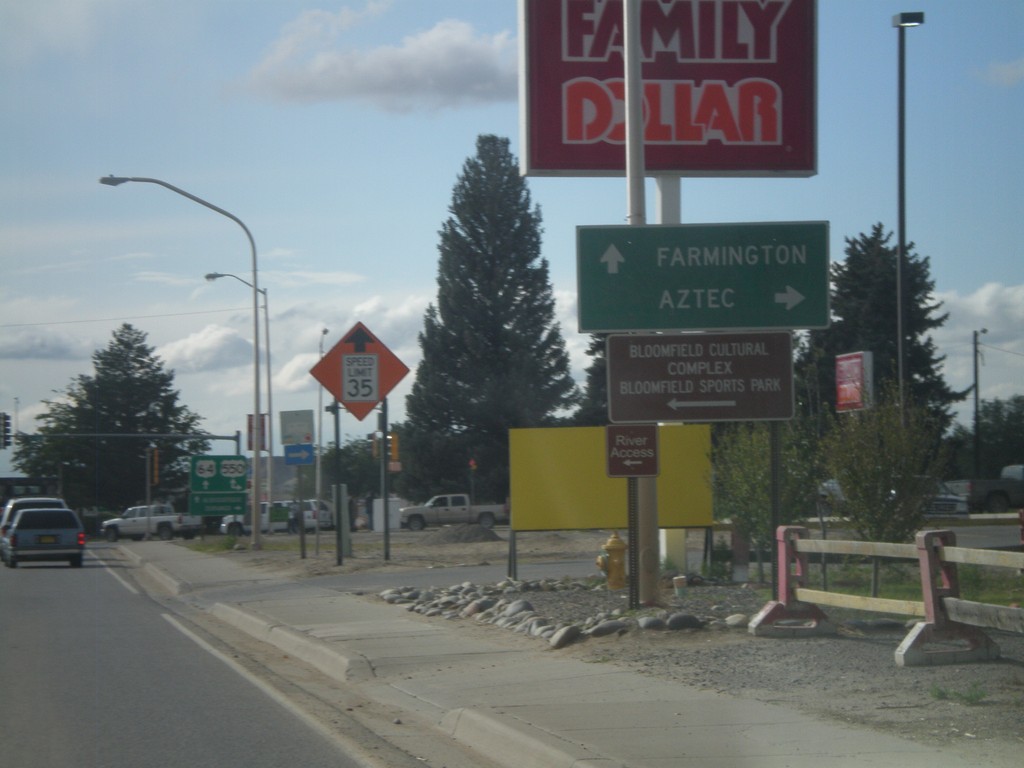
(703, 277)
(219, 474)
(216, 504)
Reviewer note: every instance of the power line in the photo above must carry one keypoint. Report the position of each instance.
(113, 320)
(1004, 351)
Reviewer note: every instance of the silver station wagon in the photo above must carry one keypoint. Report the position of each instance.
(44, 534)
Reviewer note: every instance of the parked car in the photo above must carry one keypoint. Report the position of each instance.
(275, 520)
(996, 496)
(159, 519)
(452, 509)
(12, 507)
(44, 534)
(944, 502)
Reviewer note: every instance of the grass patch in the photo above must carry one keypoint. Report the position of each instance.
(971, 697)
(213, 544)
(216, 544)
(902, 581)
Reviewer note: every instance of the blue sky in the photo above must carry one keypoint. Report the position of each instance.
(335, 130)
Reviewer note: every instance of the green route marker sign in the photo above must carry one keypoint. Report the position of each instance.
(755, 276)
(219, 474)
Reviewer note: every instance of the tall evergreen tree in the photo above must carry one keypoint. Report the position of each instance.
(493, 354)
(864, 319)
(593, 410)
(130, 394)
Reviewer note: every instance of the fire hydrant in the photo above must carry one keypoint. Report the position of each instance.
(613, 561)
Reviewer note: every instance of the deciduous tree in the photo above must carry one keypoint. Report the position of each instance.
(886, 461)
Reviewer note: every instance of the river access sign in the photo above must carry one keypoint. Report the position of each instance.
(751, 276)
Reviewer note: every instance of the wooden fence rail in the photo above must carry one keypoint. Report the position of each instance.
(952, 630)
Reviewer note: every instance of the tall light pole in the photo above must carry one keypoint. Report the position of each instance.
(901, 21)
(319, 449)
(977, 416)
(270, 390)
(114, 181)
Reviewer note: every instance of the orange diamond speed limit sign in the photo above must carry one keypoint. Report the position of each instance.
(359, 371)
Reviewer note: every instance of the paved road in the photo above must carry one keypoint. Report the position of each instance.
(93, 675)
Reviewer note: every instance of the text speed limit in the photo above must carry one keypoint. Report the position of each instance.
(360, 378)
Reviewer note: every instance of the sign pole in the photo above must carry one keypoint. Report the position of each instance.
(384, 477)
(341, 520)
(645, 543)
(360, 371)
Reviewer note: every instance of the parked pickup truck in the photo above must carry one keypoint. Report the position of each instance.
(452, 509)
(994, 496)
(277, 522)
(157, 519)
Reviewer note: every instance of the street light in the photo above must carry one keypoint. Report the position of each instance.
(901, 21)
(977, 419)
(319, 449)
(270, 390)
(113, 181)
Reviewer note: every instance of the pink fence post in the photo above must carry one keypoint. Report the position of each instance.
(786, 616)
(938, 639)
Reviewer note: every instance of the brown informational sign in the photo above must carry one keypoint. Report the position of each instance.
(700, 377)
(632, 450)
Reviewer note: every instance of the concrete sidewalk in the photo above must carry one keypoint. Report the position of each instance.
(524, 707)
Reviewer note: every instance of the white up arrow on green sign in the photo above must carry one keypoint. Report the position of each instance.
(703, 277)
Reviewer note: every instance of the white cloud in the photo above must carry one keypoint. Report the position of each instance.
(165, 278)
(294, 375)
(300, 279)
(37, 343)
(213, 348)
(40, 27)
(449, 65)
(999, 309)
(1007, 73)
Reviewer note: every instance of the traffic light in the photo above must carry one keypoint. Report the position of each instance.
(5, 430)
(392, 443)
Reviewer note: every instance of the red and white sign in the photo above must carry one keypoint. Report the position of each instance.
(729, 87)
(854, 381)
(249, 428)
(359, 371)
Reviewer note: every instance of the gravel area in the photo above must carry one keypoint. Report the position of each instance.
(851, 677)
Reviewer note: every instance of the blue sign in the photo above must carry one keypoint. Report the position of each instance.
(299, 453)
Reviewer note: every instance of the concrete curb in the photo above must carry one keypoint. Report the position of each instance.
(502, 738)
(172, 584)
(524, 745)
(317, 654)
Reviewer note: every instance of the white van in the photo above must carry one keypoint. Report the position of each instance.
(275, 519)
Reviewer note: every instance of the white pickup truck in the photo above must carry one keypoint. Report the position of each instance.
(452, 509)
(155, 520)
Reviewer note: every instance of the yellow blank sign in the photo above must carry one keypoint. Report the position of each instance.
(560, 480)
